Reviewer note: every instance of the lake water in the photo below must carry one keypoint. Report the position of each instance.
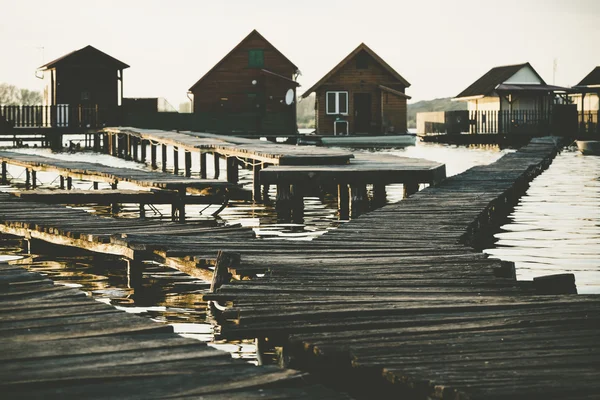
(555, 228)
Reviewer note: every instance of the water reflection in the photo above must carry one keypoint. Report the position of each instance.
(555, 228)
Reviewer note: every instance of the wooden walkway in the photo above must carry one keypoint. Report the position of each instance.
(103, 173)
(231, 146)
(57, 343)
(393, 303)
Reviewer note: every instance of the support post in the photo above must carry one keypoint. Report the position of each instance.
(33, 178)
(62, 182)
(178, 206)
(163, 154)
(379, 195)
(4, 179)
(143, 145)
(217, 166)
(282, 204)
(221, 275)
(27, 178)
(188, 164)
(134, 146)
(69, 183)
(175, 160)
(135, 273)
(142, 210)
(410, 188)
(128, 147)
(96, 142)
(359, 201)
(202, 165)
(95, 185)
(343, 201)
(297, 203)
(232, 170)
(153, 156)
(256, 194)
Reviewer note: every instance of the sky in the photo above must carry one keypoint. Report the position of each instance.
(439, 46)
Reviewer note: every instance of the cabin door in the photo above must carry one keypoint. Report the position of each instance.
(362, 112)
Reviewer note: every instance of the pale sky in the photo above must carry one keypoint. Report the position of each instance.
(439, 46)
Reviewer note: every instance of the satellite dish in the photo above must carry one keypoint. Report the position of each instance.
(289, 97)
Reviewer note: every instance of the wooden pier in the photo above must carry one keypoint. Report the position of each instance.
(174, 189)
(394, 303)
(58, 343)
(294, 170)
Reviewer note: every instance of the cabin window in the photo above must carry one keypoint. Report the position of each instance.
(337, 103)
(256, 59)
(362, 60)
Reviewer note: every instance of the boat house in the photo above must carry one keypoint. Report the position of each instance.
(82, 88)
(586, 95)
(360, 95)
(510, 99)
(252, 90)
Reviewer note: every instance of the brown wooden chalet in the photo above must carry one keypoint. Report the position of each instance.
(361, 95)
(252, 90)
(86, 76)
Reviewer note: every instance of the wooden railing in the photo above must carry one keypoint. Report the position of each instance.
(59, 116)
(507, 122)
(588, 122)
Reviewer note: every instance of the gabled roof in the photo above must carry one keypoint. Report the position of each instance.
(593, 78)
(350, 56)
(87, 51)
(494, 77)
(253, 33)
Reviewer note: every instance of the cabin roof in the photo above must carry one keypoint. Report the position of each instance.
(349, 57)
(593, 78)
(494, 77)
(253, 33)
(87, 51)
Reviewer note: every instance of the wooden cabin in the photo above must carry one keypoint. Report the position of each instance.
(360, 95)
(586, 95)
(252, 90)
(510, 99)
(86, 77)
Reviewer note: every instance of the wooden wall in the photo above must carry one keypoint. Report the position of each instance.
(354, 80)
(100, 82)
(228, 87)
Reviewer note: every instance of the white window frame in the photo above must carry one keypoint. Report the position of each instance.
(337, 102)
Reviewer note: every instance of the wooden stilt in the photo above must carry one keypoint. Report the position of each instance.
(153, 156)
(142, 210)
(203, 165)
(69, 183)
(143, 147)
(164, 157)
(232, 170)
(410, 188)
(134, 146)
(188, 164)
(297, 204)
(33, 178)
(359, 200)
(379, 195)
(95, 184)
(343, 201)
(256, 187)
(62, 182)
(221, 275)
(4, 178)
(27, 178)
(175, 160)
(135, 273)
(217, 165)
(282, 203)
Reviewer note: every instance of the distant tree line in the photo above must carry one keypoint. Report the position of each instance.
(11, 95)
(305, 112)
(443, 104)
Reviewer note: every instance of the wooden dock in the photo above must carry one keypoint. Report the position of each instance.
(396, 303)
(295, 170)
(175, 188)
(58, 343)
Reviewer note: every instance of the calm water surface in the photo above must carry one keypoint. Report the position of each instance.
(555, 228)
(171, 297)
